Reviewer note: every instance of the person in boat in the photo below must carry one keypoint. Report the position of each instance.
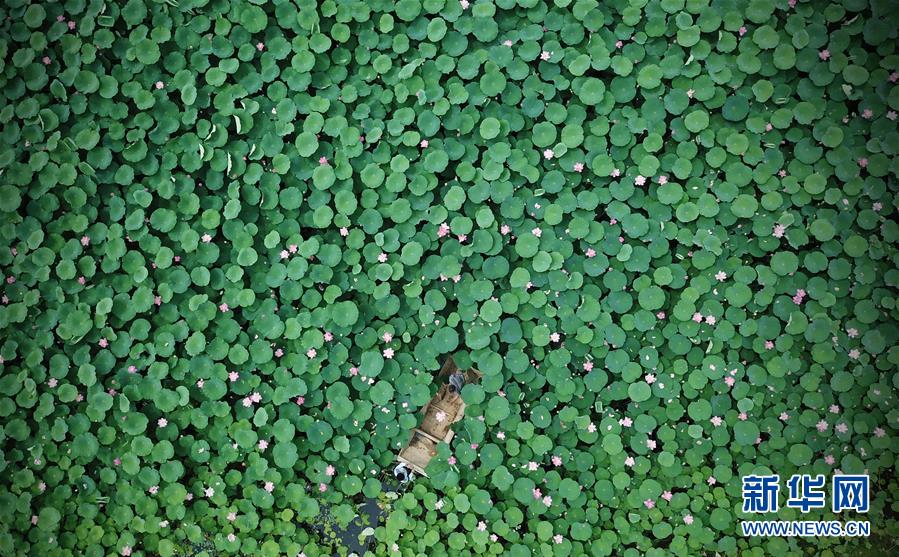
(456, 381)
(402, 473)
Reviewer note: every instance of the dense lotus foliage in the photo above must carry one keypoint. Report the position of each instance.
(239, 238)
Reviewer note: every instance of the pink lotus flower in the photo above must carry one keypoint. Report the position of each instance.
(863, 162)
(842, 427)
(71, 25)
(629, 462)
(891, 114)
(625, 422)
(615, 173)
(85, 240)
(716, 421)
(507, 42)
(162, 422)
(867, 113)
(824, 54)
(720, 275)
(554, 337)
(547, 500)
(126, 550)
(649, 503)
(103, 343)
(284, 254)
(697, 317)
(157, 300)
(504, 229)
(328, 336)
(388, 353)
(117, 461)
(854, 353)
(879, 432)
(821, 426)
(451, 461)
(556, 460)
(311, 353)
(256, 397)
(690, 93)
(667, 496)
(688, 519)
(619, 44)
(712, 480)
(779, 230)
(232, 516)
(443, 230)
(640, 180)
(330, 470)
(354, 371)
(784, 416)
(206, 238)
(269, 486)
(548, 154)
(300, 400)
(223, 307)
(834, 409)
(482, 526)
(829, 459)
(52, 382)
(464, 4)
(660, 315)
(233, 376)
(650, 378)
(545, 55)
(231, 537)
(279, 353)
(344, 232)
(591, 428)
(159, 85)
(200, 383)
(591, 252)
(557, 539)
(741, 31)
(209, 492)
(578, 167)
(424, 143)
(537, 232)
(260, 46)
(382, 257)
(154, 490)
(262, 445)
(710, 319)
(769, 345)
